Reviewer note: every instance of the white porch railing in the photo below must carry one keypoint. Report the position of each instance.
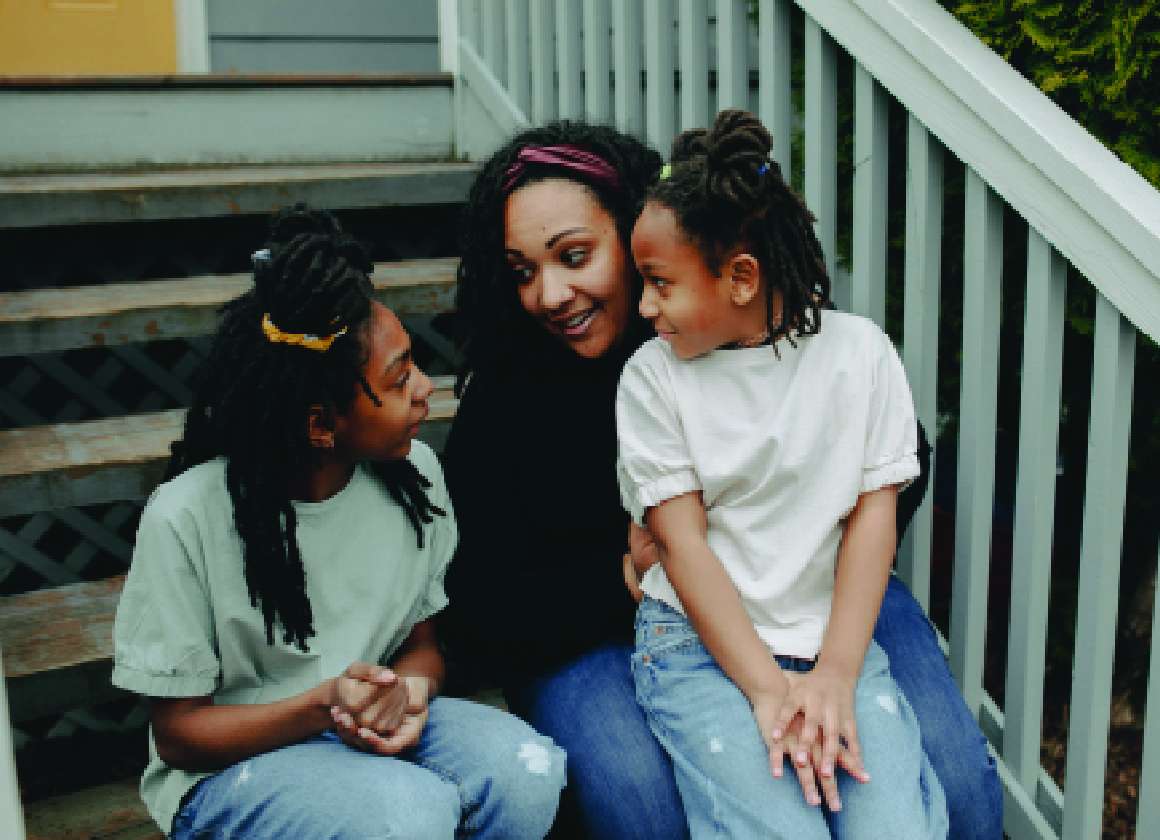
(523, 62)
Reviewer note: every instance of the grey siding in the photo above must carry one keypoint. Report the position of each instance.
(323, 36)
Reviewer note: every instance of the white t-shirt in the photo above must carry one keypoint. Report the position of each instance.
(780, 448)
(185, 626)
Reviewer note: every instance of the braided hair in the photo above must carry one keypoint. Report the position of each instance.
(252, 398)
(495, 326)
(726, 192)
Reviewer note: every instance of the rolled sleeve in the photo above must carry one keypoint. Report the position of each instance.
(653, 461)
(163, 636)
(892, 432)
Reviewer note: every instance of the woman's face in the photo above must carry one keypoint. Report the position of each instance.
(571, 270)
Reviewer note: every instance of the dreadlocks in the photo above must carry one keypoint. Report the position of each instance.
(495, 323)
(725, 191)
(252, 398)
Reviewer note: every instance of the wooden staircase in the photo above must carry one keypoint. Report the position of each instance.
(57, 641)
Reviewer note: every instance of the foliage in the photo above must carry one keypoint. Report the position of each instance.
(1099, 60)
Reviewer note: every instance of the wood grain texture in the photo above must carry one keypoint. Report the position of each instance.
(49, 320)
(108, 460)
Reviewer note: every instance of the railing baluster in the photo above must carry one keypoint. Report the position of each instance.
(982, 293)
(11, 819)
(732, 54)
(871, 158)
(542, 48)
(822, 147)
(693, 47)
(1148, 814)
(1034, 508)
(775, 57)
(658, 52)
(922, 279)
(597, 66)
(492, 19)
(1113, 363)
(518, 80)
(626, 39)
(569, 20)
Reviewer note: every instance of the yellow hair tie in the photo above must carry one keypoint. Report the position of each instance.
(321, 343)
(666, 171)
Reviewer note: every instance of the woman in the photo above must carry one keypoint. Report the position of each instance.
(548, 296)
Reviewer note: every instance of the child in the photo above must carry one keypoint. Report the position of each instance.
(302, 545)
(762, 447)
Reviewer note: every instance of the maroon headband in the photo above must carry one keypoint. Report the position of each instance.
(572, 158)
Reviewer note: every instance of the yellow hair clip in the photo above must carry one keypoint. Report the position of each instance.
(320, 343)
(666, 171)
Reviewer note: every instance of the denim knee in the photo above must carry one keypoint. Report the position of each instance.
(508, 776)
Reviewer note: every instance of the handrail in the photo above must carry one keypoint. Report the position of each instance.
(1092, 207)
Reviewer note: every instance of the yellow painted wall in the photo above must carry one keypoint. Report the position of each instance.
(87, 37)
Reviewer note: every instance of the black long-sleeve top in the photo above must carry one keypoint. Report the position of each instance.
(530, 465)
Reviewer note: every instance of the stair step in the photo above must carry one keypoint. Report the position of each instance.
(108, 460)
(112, 811)
(214, 120)
(50, 320)
(92, 198)
(58, 646)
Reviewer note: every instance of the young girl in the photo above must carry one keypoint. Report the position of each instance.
(764, 446)
(277, 612)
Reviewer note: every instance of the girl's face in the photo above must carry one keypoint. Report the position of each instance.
(369, 432)
(689, 306)
(571, 270)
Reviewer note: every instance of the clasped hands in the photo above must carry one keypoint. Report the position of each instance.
(810, 722)
(376, 710)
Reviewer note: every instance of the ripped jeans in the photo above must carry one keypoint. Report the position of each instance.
(476, 772)
(706, 725)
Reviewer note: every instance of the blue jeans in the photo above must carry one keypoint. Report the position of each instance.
(476, 772)
(620, 781)
(952, 739)
(722, 764)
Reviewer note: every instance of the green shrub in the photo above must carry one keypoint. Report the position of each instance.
(1099, 61)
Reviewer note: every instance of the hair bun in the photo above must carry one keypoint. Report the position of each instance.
(291, 221)
(689, 144)
(737, 146)
(296, 280)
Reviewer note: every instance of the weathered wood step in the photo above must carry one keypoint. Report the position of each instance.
(108, 460)
(112, 811)
(58, 646)
(49, 320)
(184, 193)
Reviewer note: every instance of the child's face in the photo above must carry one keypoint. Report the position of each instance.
(369, 432)
(572, 272)
(689, 306)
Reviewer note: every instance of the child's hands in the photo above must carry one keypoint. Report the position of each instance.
(367, 699)
(393, 740)
(817, 726)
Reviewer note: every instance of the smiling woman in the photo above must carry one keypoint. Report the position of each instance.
(538, 598)
(569, 264)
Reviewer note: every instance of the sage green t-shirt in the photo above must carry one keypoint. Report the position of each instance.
(185, 626)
